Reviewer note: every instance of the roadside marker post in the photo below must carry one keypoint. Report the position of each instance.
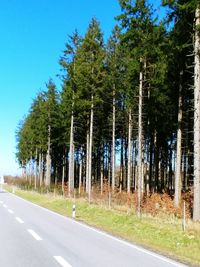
(109, 200)
(13, 190)
(74, 211)
(1, 183)
(184, 217)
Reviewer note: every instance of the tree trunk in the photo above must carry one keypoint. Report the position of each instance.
(23, 170)
(30, 169)
(196, 205)
(41, 168)
(48, 160)
(90, 151)
(55, 175)
(71, 154)
(129, 151)
(36, 170)
(177, 194)
(80, 170)
(140, 177)
(151, 188)
(156, 163)
(63, 175)
(102, 167)
(87, 158)
(125, 161)
(121, 164)
(170, 165)
(26, 170)
(113, 142)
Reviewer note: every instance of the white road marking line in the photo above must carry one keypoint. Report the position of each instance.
(10, 211)
(5, 206)
(19, 220)
(153, 254)
(36, 236)
(62, 262)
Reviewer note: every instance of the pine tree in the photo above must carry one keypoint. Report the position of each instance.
(69, 65)
(89, 80)
(184, 14)
(141, 35)
(115, 76)
(52, 126)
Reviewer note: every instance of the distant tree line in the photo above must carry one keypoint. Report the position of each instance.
(128, 113)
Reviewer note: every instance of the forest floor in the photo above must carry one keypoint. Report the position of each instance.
(163, 235)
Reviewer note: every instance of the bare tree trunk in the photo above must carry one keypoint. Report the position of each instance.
(196, 205)
(26, 166)
(48, 159)
(177, 194)
(90, 151)
(30, 169)
(102, 167)
(121, 164)
(157, 160)
(87, 159)
(129, 151)
(151, 164)
(41, 168)
(125, 161)
(109, 168)
(63, 175)
(71, 154)
(56, 176)
(140, 177)
(170, 165)
(113, 142)
(36, 170)
(24, 169)
(83, 170)
(134, 166)
(80, 170)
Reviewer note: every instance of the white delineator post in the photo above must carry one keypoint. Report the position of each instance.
(74, 211)
(13, 190)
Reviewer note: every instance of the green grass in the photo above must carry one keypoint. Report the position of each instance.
(163, 236)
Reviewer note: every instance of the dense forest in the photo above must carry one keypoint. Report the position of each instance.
(128, 113)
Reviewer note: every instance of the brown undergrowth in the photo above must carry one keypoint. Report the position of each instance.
(154, 204)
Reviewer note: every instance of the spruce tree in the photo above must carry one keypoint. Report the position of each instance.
(89, 79)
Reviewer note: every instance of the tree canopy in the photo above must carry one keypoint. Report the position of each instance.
(96, 114)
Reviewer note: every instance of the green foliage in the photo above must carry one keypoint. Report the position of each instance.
(33, 131)
(89, 63)
(96, 73)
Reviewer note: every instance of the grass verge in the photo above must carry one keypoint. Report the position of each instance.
(160, 235)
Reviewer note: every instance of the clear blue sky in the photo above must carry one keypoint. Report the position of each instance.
(33, 34)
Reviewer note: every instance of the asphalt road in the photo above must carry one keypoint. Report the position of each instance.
(31, 236)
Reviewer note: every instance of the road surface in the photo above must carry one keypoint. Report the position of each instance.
(31, 236)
